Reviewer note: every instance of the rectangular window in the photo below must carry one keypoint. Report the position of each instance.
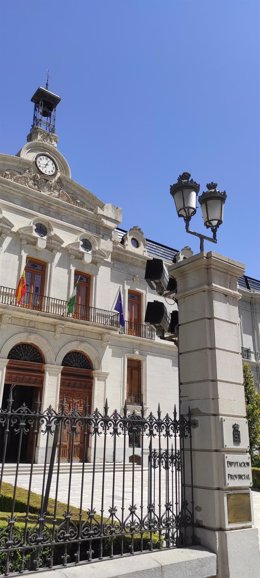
(35, 279)
(134, 312)
(134, 381)
(246, 353)
(82, 282)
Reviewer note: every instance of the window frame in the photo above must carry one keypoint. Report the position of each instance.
(134, 392)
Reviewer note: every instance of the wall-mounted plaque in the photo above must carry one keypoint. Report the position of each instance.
(238, 471)
(239, 508)
(235, 433)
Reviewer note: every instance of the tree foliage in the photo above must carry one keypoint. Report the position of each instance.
(252, 410)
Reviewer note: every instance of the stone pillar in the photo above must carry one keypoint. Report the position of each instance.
(50, 396)
(3, 364)
(98, 401)
(211, 384)
(51, 386)
(99, 389)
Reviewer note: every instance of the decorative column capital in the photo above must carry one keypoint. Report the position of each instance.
(54, 370)
(102, 375)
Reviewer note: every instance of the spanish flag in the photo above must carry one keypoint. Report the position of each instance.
(21, 288)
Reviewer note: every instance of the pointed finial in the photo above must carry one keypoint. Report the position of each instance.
(47, 80)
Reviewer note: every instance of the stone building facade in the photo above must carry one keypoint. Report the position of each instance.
(69, 243)
(249, 312)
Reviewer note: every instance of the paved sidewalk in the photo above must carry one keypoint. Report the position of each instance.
(256, 508)
(136, 495)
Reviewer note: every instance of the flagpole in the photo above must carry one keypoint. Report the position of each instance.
(117, 294)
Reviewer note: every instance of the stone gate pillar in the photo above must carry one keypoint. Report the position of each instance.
(211, 384)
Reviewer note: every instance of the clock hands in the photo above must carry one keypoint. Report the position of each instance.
(46, 165)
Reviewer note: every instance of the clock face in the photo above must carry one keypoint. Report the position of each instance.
(46, 165)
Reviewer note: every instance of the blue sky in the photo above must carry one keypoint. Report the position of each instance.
(149, 88)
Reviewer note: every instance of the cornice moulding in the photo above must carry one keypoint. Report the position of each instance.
(22, 170)
(43, 201)
(121, 254)
(31, 318)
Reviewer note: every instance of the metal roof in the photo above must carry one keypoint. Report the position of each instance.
(44, 94)
(249, 283)
(160, 251)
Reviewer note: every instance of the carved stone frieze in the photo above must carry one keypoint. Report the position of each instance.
(53, 188)
(38, 134)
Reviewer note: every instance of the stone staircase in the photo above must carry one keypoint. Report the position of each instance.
(64, 468)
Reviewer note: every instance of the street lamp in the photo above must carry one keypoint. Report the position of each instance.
(185, 193)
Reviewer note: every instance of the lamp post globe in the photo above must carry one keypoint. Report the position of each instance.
(185, 193)
(212, 205)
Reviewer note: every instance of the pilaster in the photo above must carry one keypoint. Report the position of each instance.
(3, 364)
(99, 389)
(50, 397)
(51, 386)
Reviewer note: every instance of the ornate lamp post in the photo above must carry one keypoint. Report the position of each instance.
(185, 194)
(211, 387)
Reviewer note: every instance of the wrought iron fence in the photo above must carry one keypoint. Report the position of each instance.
(120, 498)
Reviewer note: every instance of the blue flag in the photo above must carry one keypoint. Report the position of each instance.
(119, 307)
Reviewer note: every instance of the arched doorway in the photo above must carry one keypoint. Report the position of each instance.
(75, 393)
(24, 376)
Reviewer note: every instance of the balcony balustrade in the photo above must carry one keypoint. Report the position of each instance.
(134, 399)
(59, 307)
(139, 330)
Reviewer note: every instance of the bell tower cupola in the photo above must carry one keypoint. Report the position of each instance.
(44, 116)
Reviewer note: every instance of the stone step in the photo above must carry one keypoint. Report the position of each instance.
(38, 469)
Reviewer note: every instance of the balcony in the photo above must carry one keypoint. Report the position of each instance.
(139, 330)
(134, 399)
(58, 307)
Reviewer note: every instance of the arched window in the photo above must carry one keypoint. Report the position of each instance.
(26, 352)
(77, 359)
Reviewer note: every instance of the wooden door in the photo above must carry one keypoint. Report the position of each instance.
(35, 278)
(28, 378)
(133, 393)
(75, 394)
(82, 283)
(134, 313)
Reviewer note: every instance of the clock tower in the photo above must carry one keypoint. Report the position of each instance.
(44, 115)
(42, 140)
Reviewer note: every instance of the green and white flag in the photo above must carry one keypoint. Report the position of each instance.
(72, 300)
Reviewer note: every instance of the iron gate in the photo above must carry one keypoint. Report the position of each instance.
(126, 495)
